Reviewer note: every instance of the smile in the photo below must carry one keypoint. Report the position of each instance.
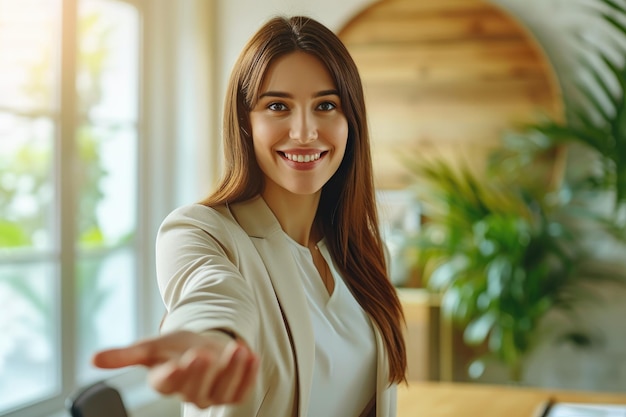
(302, 158)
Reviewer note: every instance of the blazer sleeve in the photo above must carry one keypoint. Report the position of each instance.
(198, 275)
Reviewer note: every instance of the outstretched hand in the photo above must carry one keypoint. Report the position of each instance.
(204, 369)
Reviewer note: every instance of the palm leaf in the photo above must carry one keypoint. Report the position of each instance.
(617, 7)
(597, 106)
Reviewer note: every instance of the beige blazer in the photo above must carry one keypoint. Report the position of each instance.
(229, 267)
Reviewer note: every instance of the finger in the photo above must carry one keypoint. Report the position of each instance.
(248, 378)
(120, 357)
(167, 378)
(200, 368)
(212, 375)
(228, 379)
(147, 352)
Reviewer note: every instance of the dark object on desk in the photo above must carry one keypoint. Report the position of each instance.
(97, 400)
(544, 409)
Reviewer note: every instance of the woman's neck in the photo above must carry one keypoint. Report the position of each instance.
(295, 213)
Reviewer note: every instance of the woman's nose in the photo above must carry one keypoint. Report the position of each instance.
(303, 127)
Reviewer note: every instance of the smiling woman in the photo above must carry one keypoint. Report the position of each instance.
(278, 297)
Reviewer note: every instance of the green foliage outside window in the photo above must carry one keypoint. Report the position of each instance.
(32, 165)
(27, 172)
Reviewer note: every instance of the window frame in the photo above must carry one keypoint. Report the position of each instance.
(65, 253)
(178, 67)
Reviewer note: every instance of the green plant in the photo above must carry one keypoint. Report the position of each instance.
(597, 120)
(499, 255)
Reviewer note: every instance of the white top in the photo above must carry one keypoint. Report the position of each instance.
(344, 375)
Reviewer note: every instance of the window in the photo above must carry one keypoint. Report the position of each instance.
(70, 235)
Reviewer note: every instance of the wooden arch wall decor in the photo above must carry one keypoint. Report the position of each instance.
(445, 78)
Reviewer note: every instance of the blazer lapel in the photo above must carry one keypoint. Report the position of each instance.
(259, 222)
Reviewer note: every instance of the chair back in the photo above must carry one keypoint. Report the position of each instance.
(97, 400)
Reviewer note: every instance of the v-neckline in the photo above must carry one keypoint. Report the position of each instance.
(318, 280)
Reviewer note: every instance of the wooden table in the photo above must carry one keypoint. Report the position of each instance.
(443, 399)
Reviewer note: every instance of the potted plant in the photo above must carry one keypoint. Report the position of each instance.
(497, 253)
(505, 247)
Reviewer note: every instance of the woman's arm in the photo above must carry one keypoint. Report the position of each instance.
(205, 353)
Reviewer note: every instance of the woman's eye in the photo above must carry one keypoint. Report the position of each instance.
(327, 106)
(277, 107)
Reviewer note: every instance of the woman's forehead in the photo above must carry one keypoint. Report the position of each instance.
(297, 71)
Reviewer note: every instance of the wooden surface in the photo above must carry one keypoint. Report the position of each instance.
(435, 349)
(423, 340)
(445, 77)
(438, 399)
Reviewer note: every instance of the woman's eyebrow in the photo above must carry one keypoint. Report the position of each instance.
(287, 95)
(275, 94)
(327, 93)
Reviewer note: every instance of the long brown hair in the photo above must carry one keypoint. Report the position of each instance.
(347, 211)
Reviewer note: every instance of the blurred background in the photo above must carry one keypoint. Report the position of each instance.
(499, 147)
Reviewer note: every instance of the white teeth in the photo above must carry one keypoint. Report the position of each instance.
(302, 158)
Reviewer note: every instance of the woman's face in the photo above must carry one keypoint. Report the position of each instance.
(299, 130)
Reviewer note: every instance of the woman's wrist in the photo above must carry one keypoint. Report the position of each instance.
(223, 331)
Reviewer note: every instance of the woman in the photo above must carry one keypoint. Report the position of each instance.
(278, 301)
